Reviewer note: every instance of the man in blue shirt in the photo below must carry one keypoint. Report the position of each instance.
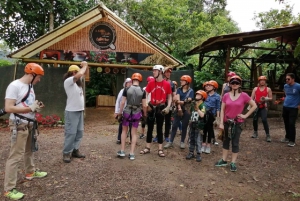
(290, 108)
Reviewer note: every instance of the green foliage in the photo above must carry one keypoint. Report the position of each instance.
(297, 49)
(5, 62)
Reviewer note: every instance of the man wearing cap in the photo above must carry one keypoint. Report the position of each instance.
(74, 111)
(127, 83)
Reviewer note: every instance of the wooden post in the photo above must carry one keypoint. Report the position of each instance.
(227, 64)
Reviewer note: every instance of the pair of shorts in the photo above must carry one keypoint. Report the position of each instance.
(134, 119)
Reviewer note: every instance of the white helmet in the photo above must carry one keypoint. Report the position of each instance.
(159, 67)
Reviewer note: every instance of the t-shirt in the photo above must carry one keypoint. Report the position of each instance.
(195, 117)
(159, 91)
(212, 103)
(17, 90)
(134, 95)
(184, 95)
(148, 98)
(233, 108)
(292, 93)
(75, 98)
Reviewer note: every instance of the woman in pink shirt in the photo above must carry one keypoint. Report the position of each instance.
(233, 104)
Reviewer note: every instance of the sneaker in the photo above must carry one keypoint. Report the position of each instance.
(142, 136)
(131, 156)
(118, 142)
(233, 167)
(215, 142)
(203, 149)
(155, 139)
(36, 174)
(121, 153)
(285, 140)
(190, 156)
(168, 145)
(207, 150)
(167, 139)
(291, 144)
(198, 158)
(14, 194)
(268, 138)
(255, 135)
(182, 145)
(221, 163)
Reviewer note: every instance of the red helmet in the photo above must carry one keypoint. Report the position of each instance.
(186, 78)
(235, 78)
(137, 76)
(202, 93)
(262, 78)
(204, 84)
(33, 68)
(150, 78)
(213, 83)
(230, 74)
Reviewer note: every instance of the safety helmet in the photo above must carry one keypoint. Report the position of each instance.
(73, 68)
(150, 78)
(202, 93)
(204, 84)
(158, 67)
(137, 76)
(174, 82)
(169, 69)
(235, 78)
(213, 83)
(186, 78)
(230, 74)
(262, 78)
(33, 68)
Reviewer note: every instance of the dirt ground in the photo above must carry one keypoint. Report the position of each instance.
(266, 171)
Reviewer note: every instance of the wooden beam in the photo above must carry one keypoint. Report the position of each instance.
(91, 64)
(264, 48)
(227, 61)
(238, 56)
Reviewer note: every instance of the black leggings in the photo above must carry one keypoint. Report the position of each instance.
(235, 140)
(208, 131)
(168, 124)
(159, 119)
(262, 112)
(289, 117)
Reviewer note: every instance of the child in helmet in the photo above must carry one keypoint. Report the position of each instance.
(196, 124)
(213, 107)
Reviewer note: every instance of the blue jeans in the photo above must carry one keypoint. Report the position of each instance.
(195, 140)
(73, 130)
(185, 121)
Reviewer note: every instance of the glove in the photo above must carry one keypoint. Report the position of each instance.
(166, 110)
(120, 118)
(35, 107)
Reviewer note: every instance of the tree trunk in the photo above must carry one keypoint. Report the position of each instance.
(51, 18)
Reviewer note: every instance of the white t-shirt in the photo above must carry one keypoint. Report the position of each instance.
(17, 90)
(148, 98)
(75, 98)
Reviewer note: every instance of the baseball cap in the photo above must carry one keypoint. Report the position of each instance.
(127, 80)
(73, 68)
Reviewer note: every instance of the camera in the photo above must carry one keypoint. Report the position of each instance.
(2, 112)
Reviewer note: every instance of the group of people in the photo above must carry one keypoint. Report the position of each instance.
(21, 103)
(198, 111)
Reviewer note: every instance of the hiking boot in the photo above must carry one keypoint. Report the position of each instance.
(167, 139)
(121, 153)
(76, 154)
(291, 144)
(67, 158)
(198, 158)
(221, 163)
(207, 150)
(233, 167)
(36, 174)
(168, 145)
(203, 148)
(255, 135)
(155, 139)
(182, 145)
(285, 140)
(142, 136)
(131, 156)
(14, 194)
(268, 138)
(190, 156)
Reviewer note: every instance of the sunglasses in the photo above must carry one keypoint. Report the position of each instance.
(235, 83)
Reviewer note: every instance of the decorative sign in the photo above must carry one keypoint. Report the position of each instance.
(103, 36)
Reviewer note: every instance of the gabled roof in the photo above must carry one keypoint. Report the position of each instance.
(289, 34)
(82, 22)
